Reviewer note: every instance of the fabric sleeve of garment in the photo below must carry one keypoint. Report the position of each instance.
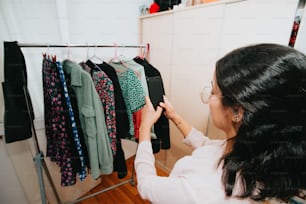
(135, 94)
(139, 69)
(137, 122)
(143, 80)
(156, 188)
(195, 138)
(90, 131)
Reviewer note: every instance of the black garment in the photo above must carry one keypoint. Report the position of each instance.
(122, 122)
(17, 115)
(165, 5)
(119, 161)
(156, 92)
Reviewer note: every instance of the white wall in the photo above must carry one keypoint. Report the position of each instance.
(56, 22)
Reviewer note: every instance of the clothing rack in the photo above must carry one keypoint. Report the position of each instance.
(147, 46)
(39, 158)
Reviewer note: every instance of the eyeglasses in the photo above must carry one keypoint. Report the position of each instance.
(206, 94)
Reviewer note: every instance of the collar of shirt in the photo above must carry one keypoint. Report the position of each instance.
(75, 72)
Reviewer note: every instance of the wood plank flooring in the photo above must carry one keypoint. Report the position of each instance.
(124, 194)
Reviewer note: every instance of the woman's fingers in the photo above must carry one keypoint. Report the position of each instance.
(158, 112)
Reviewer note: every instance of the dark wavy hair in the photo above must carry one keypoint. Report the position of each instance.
(268, 155)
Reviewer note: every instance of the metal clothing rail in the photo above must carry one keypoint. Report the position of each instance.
(40, 156)
(82, 45)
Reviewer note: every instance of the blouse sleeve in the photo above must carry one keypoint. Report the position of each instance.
(195, 138)
(156, 188)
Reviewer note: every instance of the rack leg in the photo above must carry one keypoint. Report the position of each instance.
(133, 176)
(37, 160)
(51, 181)
(40, 164)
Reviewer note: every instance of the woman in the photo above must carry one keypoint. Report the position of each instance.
(258, 98)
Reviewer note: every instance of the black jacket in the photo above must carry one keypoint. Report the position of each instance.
(17, 114)
(156, 92)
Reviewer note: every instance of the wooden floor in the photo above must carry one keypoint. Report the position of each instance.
(124, 194)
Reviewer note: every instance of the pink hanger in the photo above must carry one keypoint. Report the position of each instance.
(116, 58)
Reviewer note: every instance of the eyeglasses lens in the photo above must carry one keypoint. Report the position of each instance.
(205, 94)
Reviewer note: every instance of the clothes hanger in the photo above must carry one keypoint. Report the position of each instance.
(94, 56)
(144, 52)
(69, 54)
(147, 51)
(46, 55)
(118, 59)
(90, 60)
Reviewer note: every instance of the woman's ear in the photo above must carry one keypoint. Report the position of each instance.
(237, 114)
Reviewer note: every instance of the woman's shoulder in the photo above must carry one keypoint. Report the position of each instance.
(197, 139)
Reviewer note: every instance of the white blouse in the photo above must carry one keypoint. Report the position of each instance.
(194, 179)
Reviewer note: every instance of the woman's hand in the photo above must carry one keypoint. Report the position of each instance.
(172, 115)
(169, 110)
(148, 117)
